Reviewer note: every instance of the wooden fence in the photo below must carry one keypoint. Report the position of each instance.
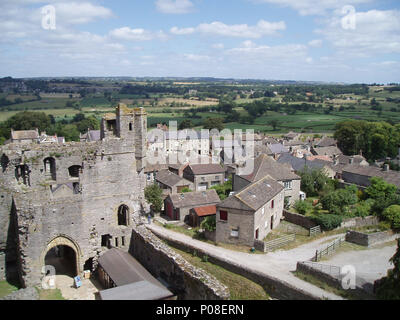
(328, 250)
(314, 231)
(276, 243)
(325, 268)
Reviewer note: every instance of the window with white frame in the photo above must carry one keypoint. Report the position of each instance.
(235, 233)
(288, 185)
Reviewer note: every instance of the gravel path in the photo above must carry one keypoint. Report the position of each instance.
(277, 265)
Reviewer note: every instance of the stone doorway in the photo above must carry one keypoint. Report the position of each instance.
(63, 259)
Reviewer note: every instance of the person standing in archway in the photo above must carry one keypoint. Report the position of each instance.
(149, 218)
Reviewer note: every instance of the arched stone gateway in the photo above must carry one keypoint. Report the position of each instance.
(63, 247)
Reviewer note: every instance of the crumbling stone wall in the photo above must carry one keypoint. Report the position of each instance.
(185, 280)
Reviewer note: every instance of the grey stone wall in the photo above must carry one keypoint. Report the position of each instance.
(367, 239)
(360, 222)
(185, 281)
(298, 219)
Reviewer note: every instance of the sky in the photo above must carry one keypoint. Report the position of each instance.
(351, 41)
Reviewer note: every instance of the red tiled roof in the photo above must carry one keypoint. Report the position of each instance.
(205, 211)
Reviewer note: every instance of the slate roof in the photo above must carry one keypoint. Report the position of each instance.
(124, 269)
(357, 159)
(254, 196)
(194, 199)
(141, 290)
(183, 134)
(328, 151)
(390, 176)
(199, 169)
(265, 165)
(277, 148)
(326, 142)
(298, 164)
(169, 178)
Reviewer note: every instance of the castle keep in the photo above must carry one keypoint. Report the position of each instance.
(77, 197)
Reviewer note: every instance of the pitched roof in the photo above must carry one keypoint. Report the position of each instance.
(24, 134)
(265, 165)
(357, 159)
(211, 168)
(298, 164)
(327, 142)
(328, 151)
(254, 196)
(169, 178)
(124, 269)
(390, 176)
(194, 199)
(278, 148)
(206, 211)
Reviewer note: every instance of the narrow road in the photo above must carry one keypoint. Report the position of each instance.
(277, 265)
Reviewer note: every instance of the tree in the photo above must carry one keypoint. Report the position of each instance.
(392, 214)
(384, 194)
(209, 223)
(274, 124)
(388, 288)
(339, 201)
(302, 206)
(28, 120)
(328, 221)
(153, 195)
(213, 123)
(313, 181)
(186, 124)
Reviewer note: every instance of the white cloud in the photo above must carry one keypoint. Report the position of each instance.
(312, 7)
(196, 57)
(82, 12)
(317, 43)
(138, 34)
(182, 31)
(262, 28)
(174, 6)
(376, 32)
(218, 46)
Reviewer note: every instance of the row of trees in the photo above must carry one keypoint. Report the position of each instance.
(376, 140)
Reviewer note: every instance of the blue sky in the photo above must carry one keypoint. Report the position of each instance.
(259, 39)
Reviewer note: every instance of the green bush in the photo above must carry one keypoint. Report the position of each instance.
(302, 206)
(328, 221)
(363, 208)
(209, 224)
(392, 215)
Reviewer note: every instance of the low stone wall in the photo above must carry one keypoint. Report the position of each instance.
(299, 219)
(367, 239)
(275, 287)
(360, 222)
(259, 245)
(210, 235)
(185, 280)
(336, 281)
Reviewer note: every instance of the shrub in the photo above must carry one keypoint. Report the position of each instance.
(302, 206)
(328, 221)
(392, 215)
(363, 208)
(209, 224)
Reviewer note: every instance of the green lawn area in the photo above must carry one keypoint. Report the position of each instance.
(54, 294)
(6, 288)
(240, 287)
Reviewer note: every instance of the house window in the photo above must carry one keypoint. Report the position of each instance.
(149, 177)
(123, 241)
(288, 185)
(74, 171)
(105, 240)
(272, 204)
(235, 233)
(116, 242)
(130, 127)
(50, 168)
(223, 215)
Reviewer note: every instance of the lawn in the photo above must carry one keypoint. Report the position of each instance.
(240, 288)
(54, 294)
(6, 288)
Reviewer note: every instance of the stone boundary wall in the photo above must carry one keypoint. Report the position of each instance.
(367, 239)
(299, 219)
(185, 280)
(333, 281)
(275, 287)
(210, 235)
(359, 222)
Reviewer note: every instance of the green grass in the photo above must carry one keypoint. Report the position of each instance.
(323, 285)
(53, 294)
(6, 288)
(240, 288)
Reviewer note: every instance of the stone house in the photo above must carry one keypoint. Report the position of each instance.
(24, 136)
(171, 182)
(188, 140)
(266, 166)
(151, 171)
(204, 176)
(251, 213)
(178, 206)
(361, 175)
